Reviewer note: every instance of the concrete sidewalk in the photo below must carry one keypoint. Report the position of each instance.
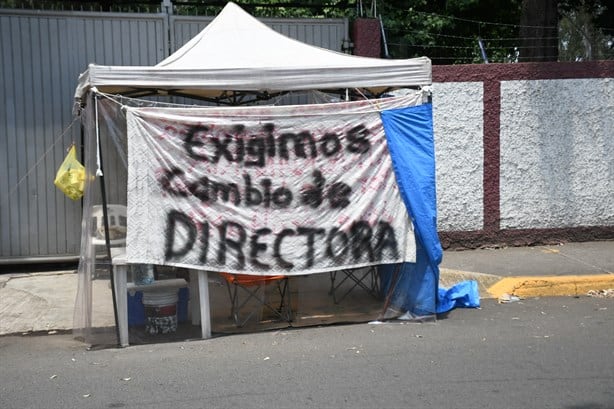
(570, 269)
(33, 302)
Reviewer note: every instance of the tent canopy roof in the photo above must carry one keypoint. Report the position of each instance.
(236, 52)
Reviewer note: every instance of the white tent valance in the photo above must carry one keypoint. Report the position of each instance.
(236, 52)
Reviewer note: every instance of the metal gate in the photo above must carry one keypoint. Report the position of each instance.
(41, 56)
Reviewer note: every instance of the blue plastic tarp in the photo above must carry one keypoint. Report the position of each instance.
(409, 133)
(461, 295)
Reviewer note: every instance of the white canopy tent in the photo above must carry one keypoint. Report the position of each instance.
(238, 53)
(234, 55)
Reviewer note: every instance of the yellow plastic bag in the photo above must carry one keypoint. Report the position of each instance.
(70, 178)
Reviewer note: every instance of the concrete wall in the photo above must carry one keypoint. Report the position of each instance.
(525, 152)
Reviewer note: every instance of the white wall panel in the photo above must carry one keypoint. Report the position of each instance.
(557, 153)
(459, 150)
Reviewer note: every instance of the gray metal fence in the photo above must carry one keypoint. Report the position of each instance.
(41, 56)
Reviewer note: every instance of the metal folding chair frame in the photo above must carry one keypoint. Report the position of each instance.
(358, 278)
(284, 311)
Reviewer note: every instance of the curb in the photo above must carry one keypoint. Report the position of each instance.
(494, 286)
(551, 286)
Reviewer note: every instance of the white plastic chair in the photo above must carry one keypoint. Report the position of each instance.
(117, 225)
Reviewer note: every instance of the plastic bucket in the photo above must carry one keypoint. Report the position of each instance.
(160, 311)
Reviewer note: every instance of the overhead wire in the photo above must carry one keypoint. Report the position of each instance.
(502, 44)
(481, 22)
(431, 45)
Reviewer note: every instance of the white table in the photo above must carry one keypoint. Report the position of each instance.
(199, 296)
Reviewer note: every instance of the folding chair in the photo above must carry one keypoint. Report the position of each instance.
(365, 278)
(249, 286)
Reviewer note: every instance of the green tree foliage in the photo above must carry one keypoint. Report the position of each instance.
(585, 31)
(447, 31)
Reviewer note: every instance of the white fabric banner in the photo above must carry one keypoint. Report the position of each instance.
(265, 190)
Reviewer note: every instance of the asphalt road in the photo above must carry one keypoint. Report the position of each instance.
(536, 353)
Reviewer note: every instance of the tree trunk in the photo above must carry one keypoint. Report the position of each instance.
(539, 31)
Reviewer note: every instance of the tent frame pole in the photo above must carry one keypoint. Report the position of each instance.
(105, 217)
